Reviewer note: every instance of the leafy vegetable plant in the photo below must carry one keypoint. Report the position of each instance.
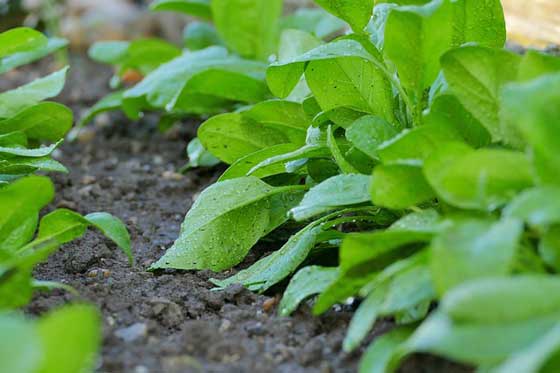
(221, 66)
(418, 154)
(26, 122)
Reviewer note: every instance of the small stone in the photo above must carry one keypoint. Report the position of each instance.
(158, 160)
(256, 329)
(102, 120)
(171, 175)
(141, 369)
(170, 313)
(64, 204)
(85, 191)
(93, 273)
(225, 326)
(88, 180)
(269, 304)
(85, 135)
(111, 164)
(133, 332)
(110, 320)
(136, 147)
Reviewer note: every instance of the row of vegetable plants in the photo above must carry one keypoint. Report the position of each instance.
(414, 158)
(30, 130)
(418, 127)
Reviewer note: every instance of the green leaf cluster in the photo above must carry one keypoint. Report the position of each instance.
(30, 131)
(414, 162)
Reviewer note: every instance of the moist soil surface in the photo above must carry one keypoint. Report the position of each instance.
(170, 321)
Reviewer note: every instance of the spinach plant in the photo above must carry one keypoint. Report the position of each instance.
(221, 66)
(418, 155)
(26, 122)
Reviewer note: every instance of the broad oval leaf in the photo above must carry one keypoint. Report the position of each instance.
(473, 249)
(333, 193)
(224, 223)
(45, 121)
(483, 179)
(504, 300)
(306, 282)
(31, 93)
(248, 27)
(197, 8)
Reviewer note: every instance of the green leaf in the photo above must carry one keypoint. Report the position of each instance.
(333, 193)
(114, 229)
(400, 287)
(199, 156)
(473, 249)
(378, 355)
(306, 282)
(42, 151)
(533, 109)
(356, 12)
(31, 93)
(243, 165)
(207, 239)
(314, 21)
(189, 83)
(399, 186)
(549, 247)
(417, 144)
(345, 81)
(535, 64)
(112, 101)
(20, 347)
(273, 268)
(364, 255)
(342, 59)
(25, 165)
(232, 136)
(20, 39)
(534, 358)
(62, 226)
(21, 234)
(504, 300)
(337, 154)
(539, 207)
(197, 8)
(368, 133)
(21, 58)
(416, 36)
(21, 201)
(483, 179)
(145, 55)
(248, 27)
(447, 111)
(476, 344)
(62, 353)
(48, 121)
(200, 35)
(110, 52)
(286, 116)
(476, 76)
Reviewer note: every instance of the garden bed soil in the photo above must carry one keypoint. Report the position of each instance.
(170, 321)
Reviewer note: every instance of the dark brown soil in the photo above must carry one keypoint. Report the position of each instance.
(172, 321)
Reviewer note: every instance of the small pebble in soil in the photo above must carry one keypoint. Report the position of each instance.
(88, 180)
(270, 304)
(172, 175)
(132, 333)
